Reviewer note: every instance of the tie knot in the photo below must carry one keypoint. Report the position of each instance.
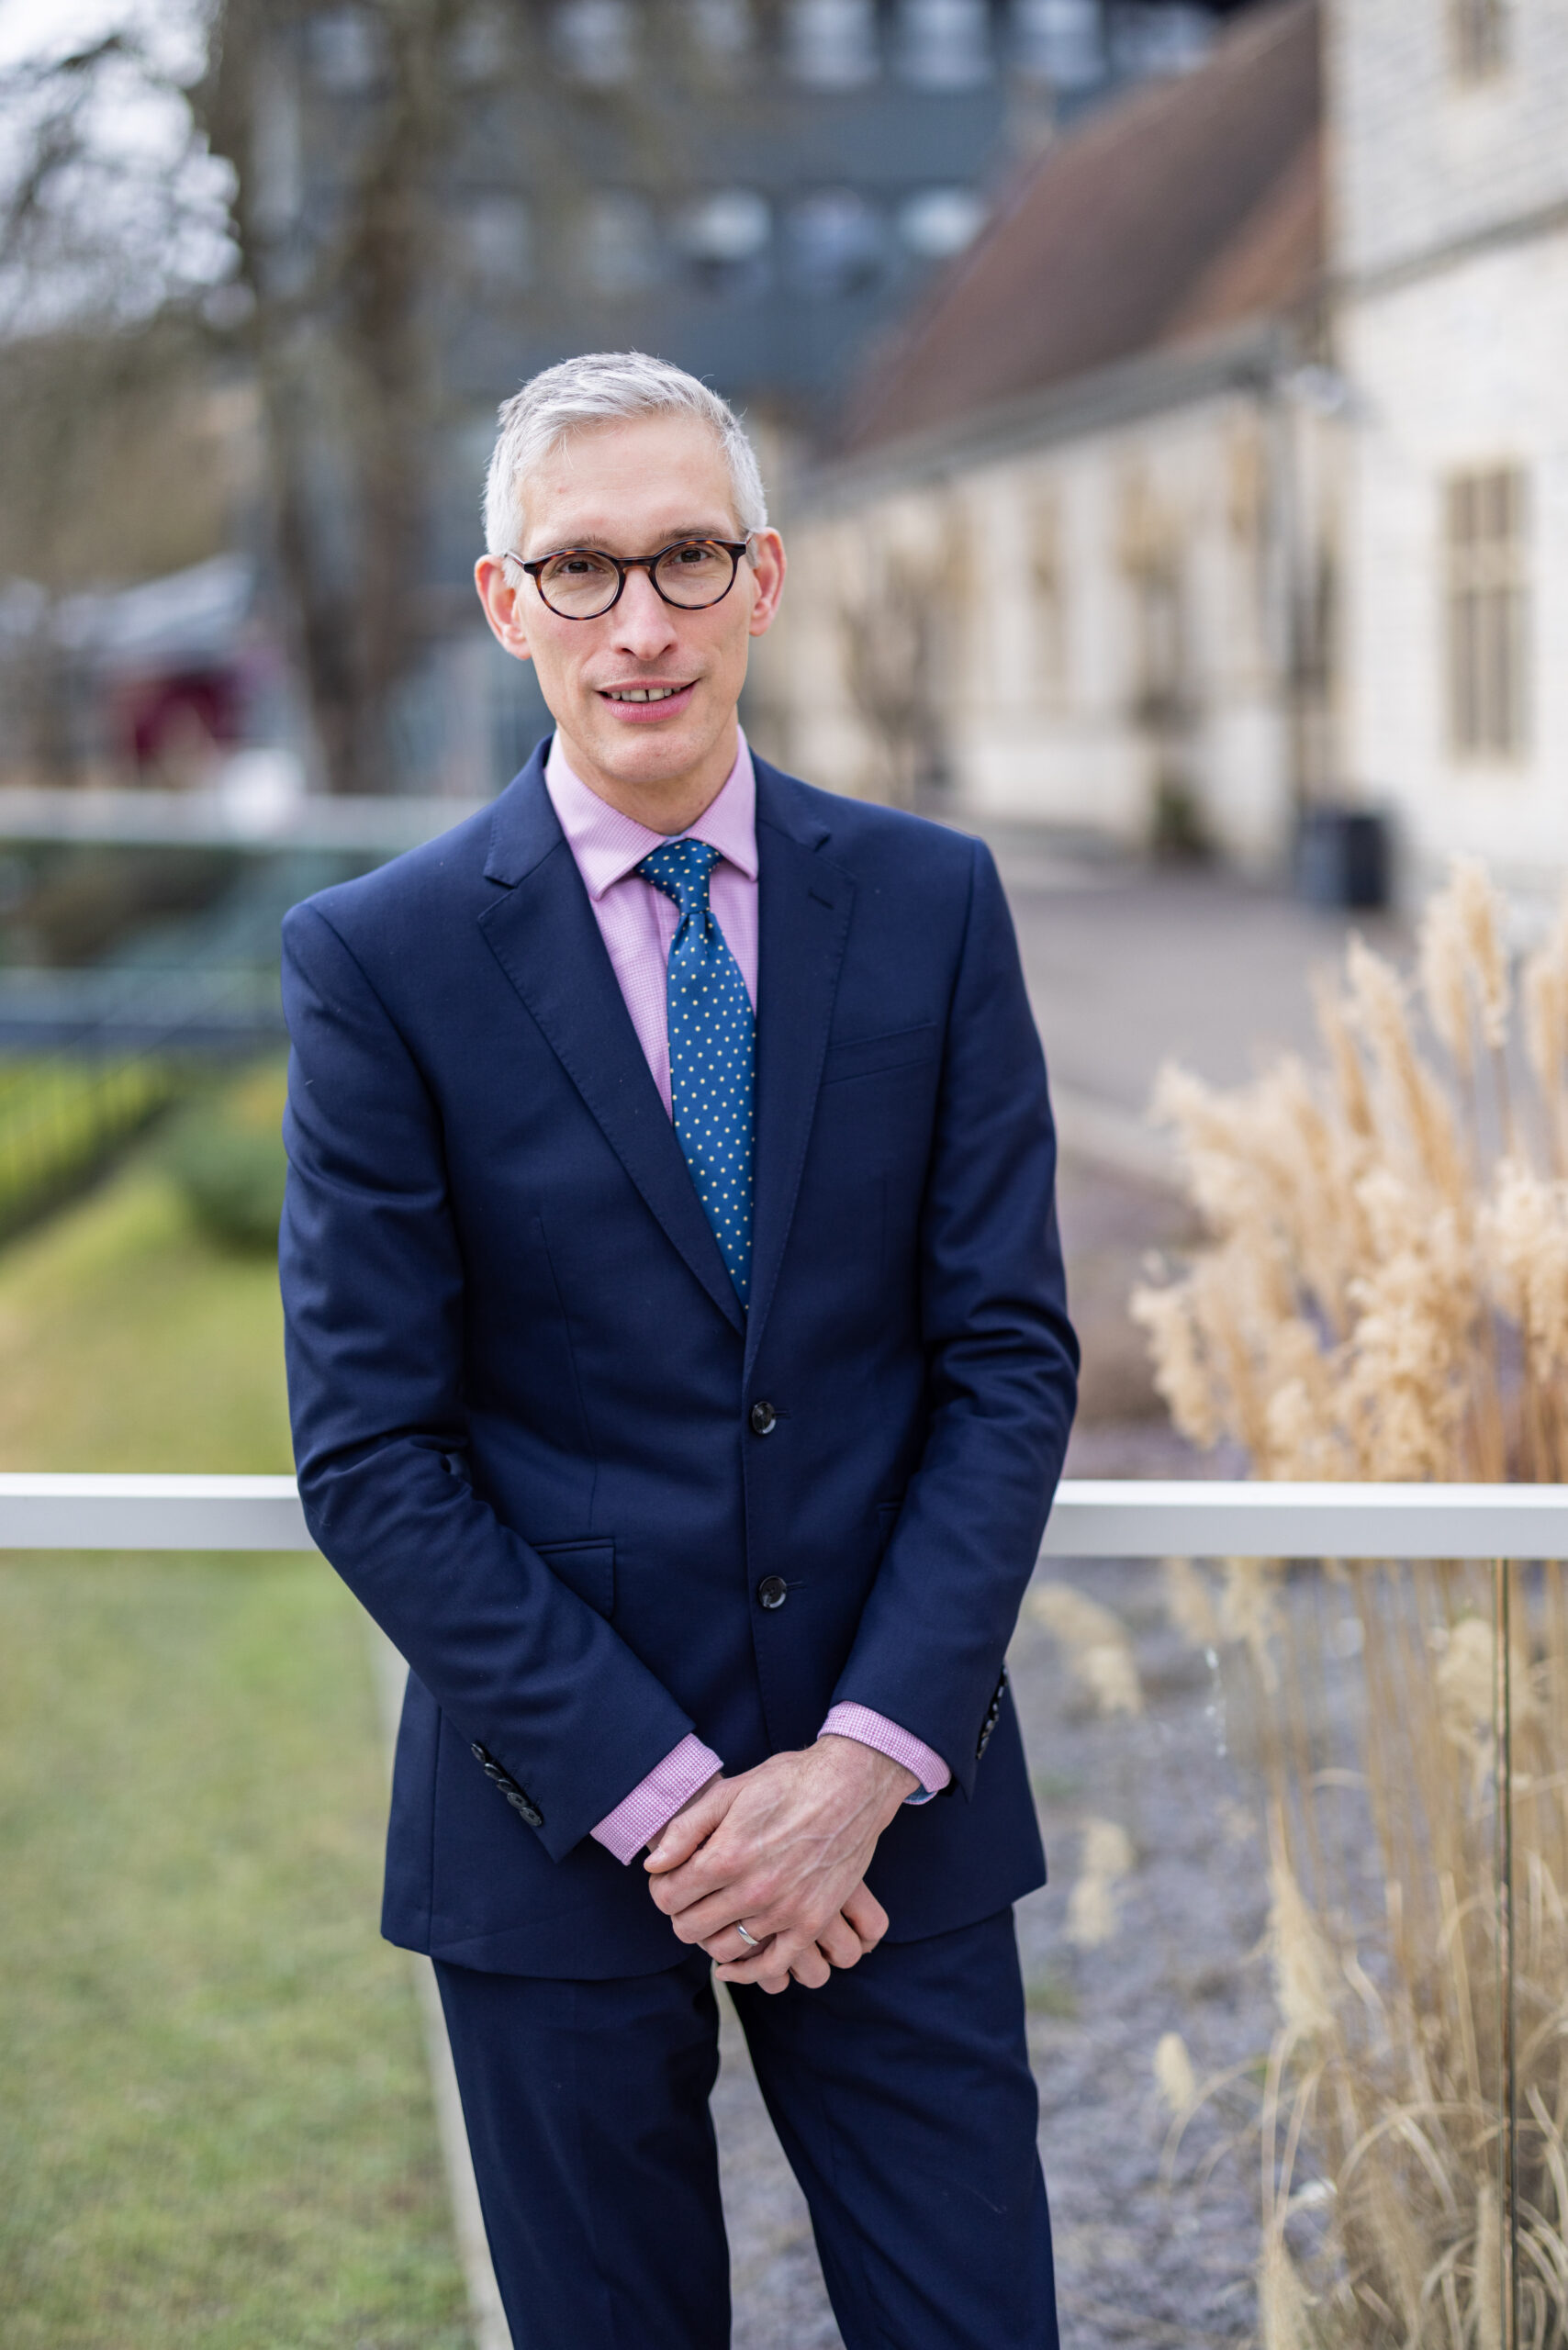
(681, 869)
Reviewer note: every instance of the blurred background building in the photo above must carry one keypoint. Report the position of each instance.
(1163, 402)
(1160, 398)
(1219, 491)
(421, 206)
(1449, 205)
(1071, 563)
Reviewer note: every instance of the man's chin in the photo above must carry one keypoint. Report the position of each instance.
(648, 755)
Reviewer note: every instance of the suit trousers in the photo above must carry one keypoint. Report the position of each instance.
(901, 2092)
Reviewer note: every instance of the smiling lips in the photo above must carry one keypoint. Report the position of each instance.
(639, 704)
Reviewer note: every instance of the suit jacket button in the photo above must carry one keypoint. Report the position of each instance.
(764, 1419)
(772, 1592)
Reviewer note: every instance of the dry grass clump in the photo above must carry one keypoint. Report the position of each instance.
(1414, 2163)
(1108, 1859)
(1095, 1643)
(1384, 1294)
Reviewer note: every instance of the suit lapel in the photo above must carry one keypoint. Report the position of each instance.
(803, 909)
(542, 932)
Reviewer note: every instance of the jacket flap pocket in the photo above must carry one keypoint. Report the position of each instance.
(586, 1567)
(870, 1056)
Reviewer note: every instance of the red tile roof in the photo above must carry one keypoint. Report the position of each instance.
(1188, 208)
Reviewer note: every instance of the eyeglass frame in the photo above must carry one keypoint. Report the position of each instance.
(734, 548)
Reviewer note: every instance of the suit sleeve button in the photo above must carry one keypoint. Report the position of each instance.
(772, 1592)
(764, 1419)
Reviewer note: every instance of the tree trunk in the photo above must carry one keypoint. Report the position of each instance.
(340, 340)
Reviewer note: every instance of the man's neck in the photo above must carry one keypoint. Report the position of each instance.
(669, 806)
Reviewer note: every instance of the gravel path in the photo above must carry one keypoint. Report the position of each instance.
(1138, 2263)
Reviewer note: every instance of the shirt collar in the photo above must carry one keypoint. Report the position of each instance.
(607, 845)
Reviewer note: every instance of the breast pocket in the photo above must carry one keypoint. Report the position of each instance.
(875, 1056)
(586, 1567)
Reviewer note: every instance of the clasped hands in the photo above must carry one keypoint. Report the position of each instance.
(783, 1849)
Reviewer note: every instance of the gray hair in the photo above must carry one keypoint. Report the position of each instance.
(604, 387)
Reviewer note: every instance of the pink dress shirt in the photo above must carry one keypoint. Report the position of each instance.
(637, 923)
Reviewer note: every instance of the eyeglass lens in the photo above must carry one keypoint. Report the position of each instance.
(580, 584)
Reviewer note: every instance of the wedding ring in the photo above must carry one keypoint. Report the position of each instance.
(750, 1940)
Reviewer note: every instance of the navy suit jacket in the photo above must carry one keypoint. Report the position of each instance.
(521, 1384)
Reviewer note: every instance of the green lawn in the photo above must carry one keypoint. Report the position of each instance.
(216, 2130)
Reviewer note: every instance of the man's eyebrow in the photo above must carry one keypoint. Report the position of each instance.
(597, 543)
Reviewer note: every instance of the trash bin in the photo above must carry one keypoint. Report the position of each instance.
(1343, 857)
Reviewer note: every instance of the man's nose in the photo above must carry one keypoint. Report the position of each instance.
(645, 624)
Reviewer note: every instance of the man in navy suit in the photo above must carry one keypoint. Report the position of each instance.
(680, 1373)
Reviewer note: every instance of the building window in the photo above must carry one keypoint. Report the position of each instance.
(595, 40)
(1488, 613)
(1060, 41)
(1150, 553)
(1146, 38)
(726, 237)
(345, 51)
(497, 232)
(831, 44)
(618, 244)
(937, 222)
(721, 32)
(481, 48)
(945, 44)
(1480, 37)
(836, 243)
(1046, 591)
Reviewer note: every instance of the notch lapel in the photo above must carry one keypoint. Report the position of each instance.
(803, 909)
(544, 935)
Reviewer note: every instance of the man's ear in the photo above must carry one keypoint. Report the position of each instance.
(768, 568)
(501, 597)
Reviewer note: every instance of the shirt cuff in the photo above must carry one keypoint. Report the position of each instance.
(649, 1809)
(875, 1729)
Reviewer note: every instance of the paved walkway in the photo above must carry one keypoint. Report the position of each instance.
(1127, 968)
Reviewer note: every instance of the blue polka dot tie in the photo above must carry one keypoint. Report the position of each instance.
(711, 1052)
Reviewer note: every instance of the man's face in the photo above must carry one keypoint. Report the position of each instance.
(629, 490)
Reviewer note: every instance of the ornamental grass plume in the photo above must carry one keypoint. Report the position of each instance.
(1383, 1293)
(1091, 1910)
(1385, 1288)
(1095, 1643)
(1173, 2076)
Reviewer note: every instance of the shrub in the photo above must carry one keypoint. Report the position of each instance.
(226, 1154)
(62, 1119)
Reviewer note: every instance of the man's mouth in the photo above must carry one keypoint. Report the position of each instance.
(648, 705)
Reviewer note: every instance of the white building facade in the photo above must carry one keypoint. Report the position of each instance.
(1095, 616)
(1449, 201)
(1076, 569)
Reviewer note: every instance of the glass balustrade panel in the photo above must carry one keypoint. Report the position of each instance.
(1272, 2008)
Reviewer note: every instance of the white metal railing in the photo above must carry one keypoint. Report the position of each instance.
(1090, 1518)
(1093, 1519)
